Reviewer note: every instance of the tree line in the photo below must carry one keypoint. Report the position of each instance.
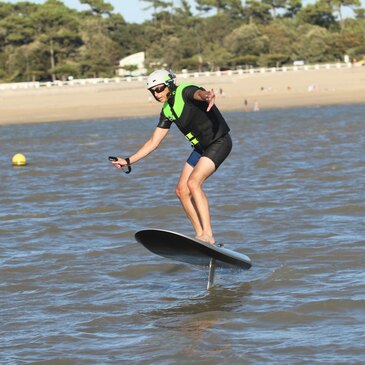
(51, 41)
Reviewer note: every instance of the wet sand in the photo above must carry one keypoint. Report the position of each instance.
(234, 92)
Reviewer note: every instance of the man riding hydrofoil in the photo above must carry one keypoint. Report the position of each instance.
(194, 112)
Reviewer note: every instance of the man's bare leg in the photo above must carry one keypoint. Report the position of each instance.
(200, 173)
(183, 193)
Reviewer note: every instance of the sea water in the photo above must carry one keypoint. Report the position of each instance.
(76, 288)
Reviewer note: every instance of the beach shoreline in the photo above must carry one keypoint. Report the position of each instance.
(237, 92)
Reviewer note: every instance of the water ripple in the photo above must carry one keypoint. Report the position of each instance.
(77, 289)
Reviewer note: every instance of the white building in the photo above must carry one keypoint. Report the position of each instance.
(137, 60)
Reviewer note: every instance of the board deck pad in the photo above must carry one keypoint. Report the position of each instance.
(179, 247)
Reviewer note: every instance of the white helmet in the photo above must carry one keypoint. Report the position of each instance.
(160, 77)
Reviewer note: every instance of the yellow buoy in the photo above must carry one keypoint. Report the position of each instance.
(19, 160)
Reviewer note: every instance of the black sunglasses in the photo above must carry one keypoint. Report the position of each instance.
(158, 89)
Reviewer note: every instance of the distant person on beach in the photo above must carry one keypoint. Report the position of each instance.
(193, 110)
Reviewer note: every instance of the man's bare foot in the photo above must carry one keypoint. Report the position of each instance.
(206, 238)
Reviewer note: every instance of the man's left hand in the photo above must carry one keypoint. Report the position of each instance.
(210, 99)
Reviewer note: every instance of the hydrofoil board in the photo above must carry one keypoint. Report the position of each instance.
(179, 247)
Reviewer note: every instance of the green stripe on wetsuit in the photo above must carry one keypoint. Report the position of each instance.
(192, 139)
(175, 112)
(199, 126)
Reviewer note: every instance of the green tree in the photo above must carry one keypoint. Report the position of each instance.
(156, 5)
(50, 40)
(216, 57)
(258, 12)
(246, 40)
(320, 13)
(280, 38)
(352, 39)
(292, 8)
(275, 5)
(99, 7)
(99, 54)
(16, 30)
(233, 8)
(128, 37)
(207, 5)
(16, 33)
(5, 10)
(316, 45)
(130, 68)
(67, 69)
(191, 32)
(57, 29)
(359, 13)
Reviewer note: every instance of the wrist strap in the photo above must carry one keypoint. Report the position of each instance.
(129, 166)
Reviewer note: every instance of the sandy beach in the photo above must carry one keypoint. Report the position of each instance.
(234, 92)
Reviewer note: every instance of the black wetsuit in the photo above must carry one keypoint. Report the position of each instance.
(208, 132)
